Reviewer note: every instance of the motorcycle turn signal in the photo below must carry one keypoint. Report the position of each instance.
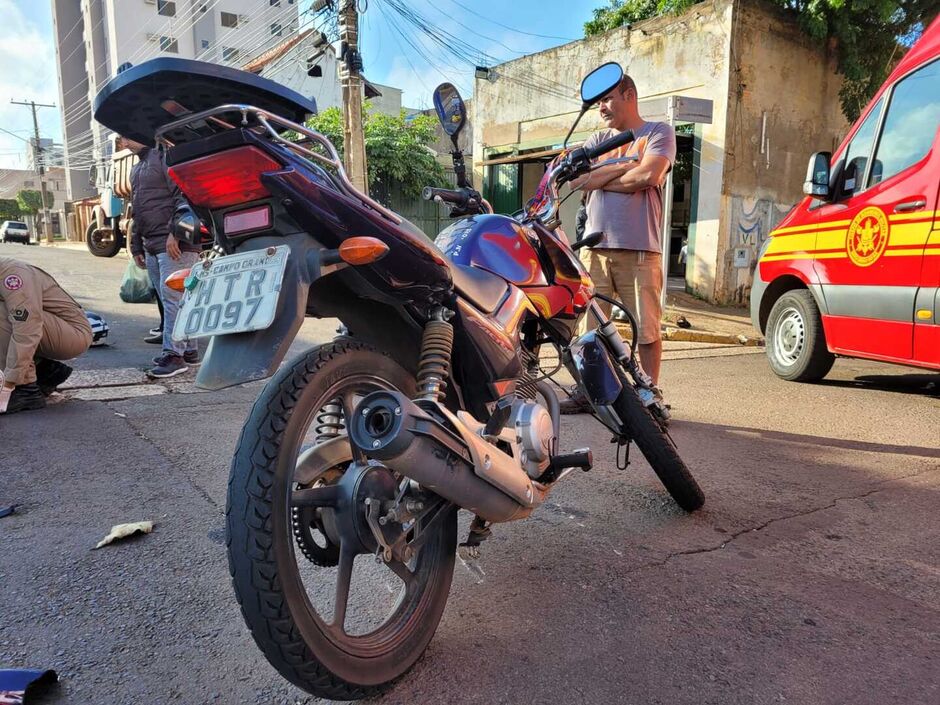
(356, 251)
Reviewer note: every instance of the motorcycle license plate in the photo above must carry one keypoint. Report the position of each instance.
(234, 294)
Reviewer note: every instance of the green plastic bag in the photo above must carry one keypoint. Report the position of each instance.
(135, 286)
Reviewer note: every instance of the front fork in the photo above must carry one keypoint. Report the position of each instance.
(620, 349)
(646, 389)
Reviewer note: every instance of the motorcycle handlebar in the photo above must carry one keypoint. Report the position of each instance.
(616, 141)
(457, 197)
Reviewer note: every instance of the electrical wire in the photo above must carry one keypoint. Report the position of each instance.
(512, 29)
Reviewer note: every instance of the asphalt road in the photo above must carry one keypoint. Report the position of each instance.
(812, 575)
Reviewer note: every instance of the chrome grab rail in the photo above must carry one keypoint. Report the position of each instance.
(265, 118)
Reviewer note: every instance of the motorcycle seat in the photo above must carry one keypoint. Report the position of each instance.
(483, 289)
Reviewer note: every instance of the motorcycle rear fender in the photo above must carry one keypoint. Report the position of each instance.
(245, 357)
(595, 369)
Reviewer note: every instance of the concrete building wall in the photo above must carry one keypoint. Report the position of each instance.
(12, 181)
(783, 105)
(291, 70)
(389, 102)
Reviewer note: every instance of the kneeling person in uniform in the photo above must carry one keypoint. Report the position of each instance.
(40, 324)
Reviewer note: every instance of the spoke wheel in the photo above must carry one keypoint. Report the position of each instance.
(347, 625)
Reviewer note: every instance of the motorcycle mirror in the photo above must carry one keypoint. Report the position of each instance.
(450, 108)
(600, 82)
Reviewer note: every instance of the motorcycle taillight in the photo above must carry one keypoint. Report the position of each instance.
(226, 178)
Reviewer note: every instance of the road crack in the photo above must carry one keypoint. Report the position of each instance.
(881, 487)
(153, 444)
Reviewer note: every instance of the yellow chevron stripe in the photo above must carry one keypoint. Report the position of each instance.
(792, 243)
(914, 216)
(806, 228)
(805, 255)
(904, 253)
(843, 224)
(909, 233)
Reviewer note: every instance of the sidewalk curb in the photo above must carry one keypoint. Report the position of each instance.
(700, 336)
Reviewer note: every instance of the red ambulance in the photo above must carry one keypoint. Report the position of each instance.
(854, 269)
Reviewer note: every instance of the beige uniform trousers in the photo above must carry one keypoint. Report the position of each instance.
(634, 277)
(37, 319)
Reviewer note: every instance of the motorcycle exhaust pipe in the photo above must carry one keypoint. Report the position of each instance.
(445, 457)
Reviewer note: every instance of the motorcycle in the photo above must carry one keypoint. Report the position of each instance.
(345, 486)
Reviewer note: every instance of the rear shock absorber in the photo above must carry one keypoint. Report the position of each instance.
(329, 422)
(434, 363)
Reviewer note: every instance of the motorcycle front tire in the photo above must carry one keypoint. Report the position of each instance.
(658, 449)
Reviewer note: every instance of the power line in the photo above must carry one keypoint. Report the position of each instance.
(512, 29)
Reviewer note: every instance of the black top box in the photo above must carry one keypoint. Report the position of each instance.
(143, 98)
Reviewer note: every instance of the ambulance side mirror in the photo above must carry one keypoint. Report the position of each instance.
(817, 177)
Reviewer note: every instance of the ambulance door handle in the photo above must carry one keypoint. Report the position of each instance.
(910, 206)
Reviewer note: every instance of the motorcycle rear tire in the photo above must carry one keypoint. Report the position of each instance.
(259, 539)
(658, 450)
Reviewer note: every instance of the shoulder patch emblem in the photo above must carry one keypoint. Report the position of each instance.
(13, 282)
(20, 314)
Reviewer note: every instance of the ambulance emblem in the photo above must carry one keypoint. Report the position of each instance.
(867, 237)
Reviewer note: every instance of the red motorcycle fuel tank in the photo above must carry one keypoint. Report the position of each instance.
(496, 243)
(534, 260)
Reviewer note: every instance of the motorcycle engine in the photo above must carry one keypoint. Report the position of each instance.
(532, 425)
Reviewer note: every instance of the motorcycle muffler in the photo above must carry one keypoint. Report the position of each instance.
(443, 456)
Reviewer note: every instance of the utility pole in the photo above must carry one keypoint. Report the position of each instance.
(37, 157)
(354, 153)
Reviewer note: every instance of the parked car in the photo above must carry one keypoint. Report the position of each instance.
(14, 231)
(854, 269)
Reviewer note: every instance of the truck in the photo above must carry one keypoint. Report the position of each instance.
(112, 220)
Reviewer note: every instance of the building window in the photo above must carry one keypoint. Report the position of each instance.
(169, 44)
(229, 54)
(166, 8)
(204, 43)
(275, 3)
(229, 19)
(277, 29)
(27, 184)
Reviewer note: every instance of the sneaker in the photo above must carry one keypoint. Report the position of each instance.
(577, 403)
(155, 331)
(26, 397)
(190, 357)
(169, 365)
(50, 374)
(154, 338)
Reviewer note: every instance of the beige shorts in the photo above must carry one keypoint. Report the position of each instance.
(634, 277)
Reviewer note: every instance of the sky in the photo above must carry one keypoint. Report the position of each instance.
(499, 30)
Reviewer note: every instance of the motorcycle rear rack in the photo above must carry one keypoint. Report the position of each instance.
(265, 120)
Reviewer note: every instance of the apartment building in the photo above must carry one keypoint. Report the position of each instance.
(95, 37)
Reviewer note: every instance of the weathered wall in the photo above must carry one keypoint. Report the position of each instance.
(685, 55)
(783, 105)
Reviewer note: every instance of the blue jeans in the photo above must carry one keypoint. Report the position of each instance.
(159, 267)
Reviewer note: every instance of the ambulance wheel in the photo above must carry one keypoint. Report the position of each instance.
(796, 343)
